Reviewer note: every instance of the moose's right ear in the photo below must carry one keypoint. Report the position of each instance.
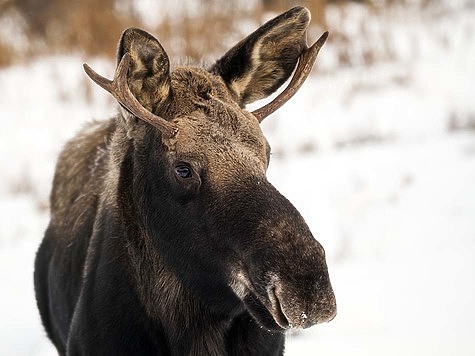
(259, 64)
(149, 72)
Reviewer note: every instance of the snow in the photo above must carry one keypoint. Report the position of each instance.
(379, 159)
(398, 228)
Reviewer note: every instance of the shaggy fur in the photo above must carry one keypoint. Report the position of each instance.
(138, 260)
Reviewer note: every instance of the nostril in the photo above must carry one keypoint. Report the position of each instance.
(293, 307)
(277, 311)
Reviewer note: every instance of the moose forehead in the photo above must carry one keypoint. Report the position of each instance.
(197, 112)
(212, 128)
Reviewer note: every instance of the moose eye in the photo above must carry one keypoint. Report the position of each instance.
(183, 171)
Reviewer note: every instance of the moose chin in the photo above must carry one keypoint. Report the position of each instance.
(165, 236)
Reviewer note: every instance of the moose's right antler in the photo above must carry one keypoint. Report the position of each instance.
(119, 88)
(306, 60)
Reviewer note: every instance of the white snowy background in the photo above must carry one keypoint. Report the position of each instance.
(378, 157)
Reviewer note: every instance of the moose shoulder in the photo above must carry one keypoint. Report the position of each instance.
(165, 236)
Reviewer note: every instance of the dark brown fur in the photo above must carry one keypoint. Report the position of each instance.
(138, 260)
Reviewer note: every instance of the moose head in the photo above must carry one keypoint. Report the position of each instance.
(197, 174)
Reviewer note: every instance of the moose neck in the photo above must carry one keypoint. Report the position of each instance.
(168, 303)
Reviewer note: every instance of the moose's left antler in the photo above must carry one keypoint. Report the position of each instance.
(306, 61)
(119, 88)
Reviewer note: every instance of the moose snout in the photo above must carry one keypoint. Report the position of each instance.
(313, 302)
(282, 276)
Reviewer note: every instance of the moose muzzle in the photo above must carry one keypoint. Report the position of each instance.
(284, 274)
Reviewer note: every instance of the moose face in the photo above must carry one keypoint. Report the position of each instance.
(228, 234)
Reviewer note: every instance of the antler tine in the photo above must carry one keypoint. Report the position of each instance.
(306, 61)
(120, 90)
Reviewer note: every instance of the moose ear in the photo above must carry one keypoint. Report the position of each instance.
(259, 64)
(149, 72)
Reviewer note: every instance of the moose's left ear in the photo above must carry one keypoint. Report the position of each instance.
(259, 64)
(149, 72)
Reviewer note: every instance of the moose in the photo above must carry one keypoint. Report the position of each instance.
(165, 236)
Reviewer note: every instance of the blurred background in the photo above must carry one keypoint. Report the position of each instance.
(377, 151)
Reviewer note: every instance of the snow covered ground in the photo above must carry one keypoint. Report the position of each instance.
(379, 159)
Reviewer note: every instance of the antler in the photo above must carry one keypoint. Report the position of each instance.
(306, 60)
(120, 90)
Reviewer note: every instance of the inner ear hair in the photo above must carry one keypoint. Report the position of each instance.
(149, 71)
(259, 64)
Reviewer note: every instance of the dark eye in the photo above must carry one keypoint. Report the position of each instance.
(183, 171)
